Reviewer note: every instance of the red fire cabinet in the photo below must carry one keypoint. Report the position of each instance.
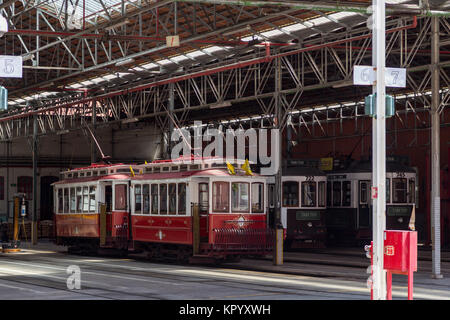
(400, 257)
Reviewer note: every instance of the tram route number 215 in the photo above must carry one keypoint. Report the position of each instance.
(400, 175)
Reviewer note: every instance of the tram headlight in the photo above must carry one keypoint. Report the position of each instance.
(400, 220)
(309, 224)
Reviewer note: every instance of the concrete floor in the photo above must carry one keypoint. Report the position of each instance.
(41, 273)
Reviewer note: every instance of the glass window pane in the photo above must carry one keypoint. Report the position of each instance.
(257, 197)
(221, 198)
(336, 193)
(79, 199)
(290, 194)
(92, 199)
(66, 200)
(182, 198)
(399, 190)
(240, 197)
(120, 201)
(346, 193)
(60, 201)
(271, 195)
(172, 198)
(137, 199)
(388, 190)
(163, 199)
(146, 199)
(321, 194)
(73, 200)
(203, 197)
(412, 191)
(329, 194)
(308, 194)
(363, 192)
(155, 199)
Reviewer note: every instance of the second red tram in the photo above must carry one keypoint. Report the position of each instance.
(164, 208)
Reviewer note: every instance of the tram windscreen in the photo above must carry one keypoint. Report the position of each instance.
(240, 196)
(257, 197)
(412, 191)
(221, 196)
(308, 194)
(203, 197)
(399, 186)
(290, 194)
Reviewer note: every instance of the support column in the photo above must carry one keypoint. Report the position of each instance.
(35, 177)
(278, 241)
(168, 148)
(435, 153)
(94, 122)
(379, 150)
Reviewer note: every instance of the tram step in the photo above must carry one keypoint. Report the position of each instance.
(202, 259)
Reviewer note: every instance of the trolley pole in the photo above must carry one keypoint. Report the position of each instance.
(379, 149)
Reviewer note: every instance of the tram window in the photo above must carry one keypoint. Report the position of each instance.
(399, 190)
(79, 199)
(271, 195)
(85, 199)
(346, 193)
(172, 198)
(73, 201)
(240, 197)
(329, 194)
(321, 194)
(182, 198)
(137, 199)
(2, 188)
(221, 196)
(290, 194)
(412, 191)
(163, 198)
(388, 190)
(308, 194)
(154, 204)
(257, 197)
(203, 197)
(60, 200)
(66, 200)
(120, 197)
(92, 198)
(363, 192)
(145, 199)
(336, 193)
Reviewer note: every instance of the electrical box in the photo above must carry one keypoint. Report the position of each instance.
(3, 98)
(370, 107)
(400, 250)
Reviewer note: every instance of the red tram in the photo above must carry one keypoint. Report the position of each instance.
(164, 208)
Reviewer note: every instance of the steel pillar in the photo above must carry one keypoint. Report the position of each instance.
(278, 241)
(379, 150)
(35, 177)
(435, 153)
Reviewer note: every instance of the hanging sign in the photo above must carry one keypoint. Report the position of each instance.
(10, 66)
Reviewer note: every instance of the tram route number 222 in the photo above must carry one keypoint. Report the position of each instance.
(309, 178)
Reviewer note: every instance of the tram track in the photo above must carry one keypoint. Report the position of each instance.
(111, 278)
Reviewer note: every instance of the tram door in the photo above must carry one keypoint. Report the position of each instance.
(105, 221)
(203, 201)
(364, 218)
